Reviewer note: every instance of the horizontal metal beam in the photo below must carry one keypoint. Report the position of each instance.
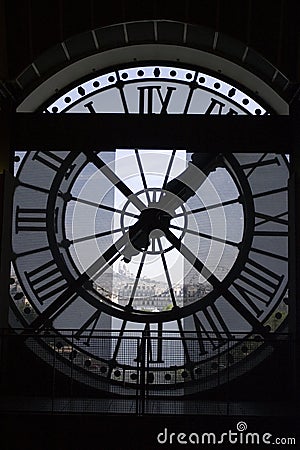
(192, 132)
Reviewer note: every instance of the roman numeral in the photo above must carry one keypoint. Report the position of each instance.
(30, 252)
(267, 219)
(146, 98)
(49, 159)
(46, 281)
(257, 285)
(90, 107)
(260, 163)
(269, 254)
(151, 347)
(276, 219)
(158, 344)
(53, 161)
(91, 321)
(30, 219)
(216, 107)
(216, 334)
(272, 192)
(188, 101)
(122, 95)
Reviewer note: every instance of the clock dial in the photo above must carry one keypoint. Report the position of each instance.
(156, 90)
(177, 257)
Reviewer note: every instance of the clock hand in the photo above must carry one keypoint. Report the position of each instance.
(95, 270)
(125, 246)
(139, 234)
(176, 192)
(114, 179)
(180, 189)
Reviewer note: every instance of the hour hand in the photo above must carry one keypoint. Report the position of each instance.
(183, 187)
(157, 216)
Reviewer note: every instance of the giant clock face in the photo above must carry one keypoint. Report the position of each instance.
(175, 258)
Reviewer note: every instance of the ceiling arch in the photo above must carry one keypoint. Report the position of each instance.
(151, 40)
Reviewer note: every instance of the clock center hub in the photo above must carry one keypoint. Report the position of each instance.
(151, 223)
(154, 218)
(148, 229)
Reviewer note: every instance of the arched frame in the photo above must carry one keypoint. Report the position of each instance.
(181, 54)
(160, 41)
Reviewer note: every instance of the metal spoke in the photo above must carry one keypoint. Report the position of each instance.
(137, 155)
(137, 279)
(191, 258)
(94, 319)
(122, 94)
(206, 208)
(30, 252)
(168, 172)
(153, 245)
(169, 169)
(107, 208)
(118, 344)
(207, 236)
(122, 330)
(115, 180)
(167, 273)
(184, 343)
(35, 188)
(97, 235)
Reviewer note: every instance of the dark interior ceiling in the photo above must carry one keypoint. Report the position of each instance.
(271, 27)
